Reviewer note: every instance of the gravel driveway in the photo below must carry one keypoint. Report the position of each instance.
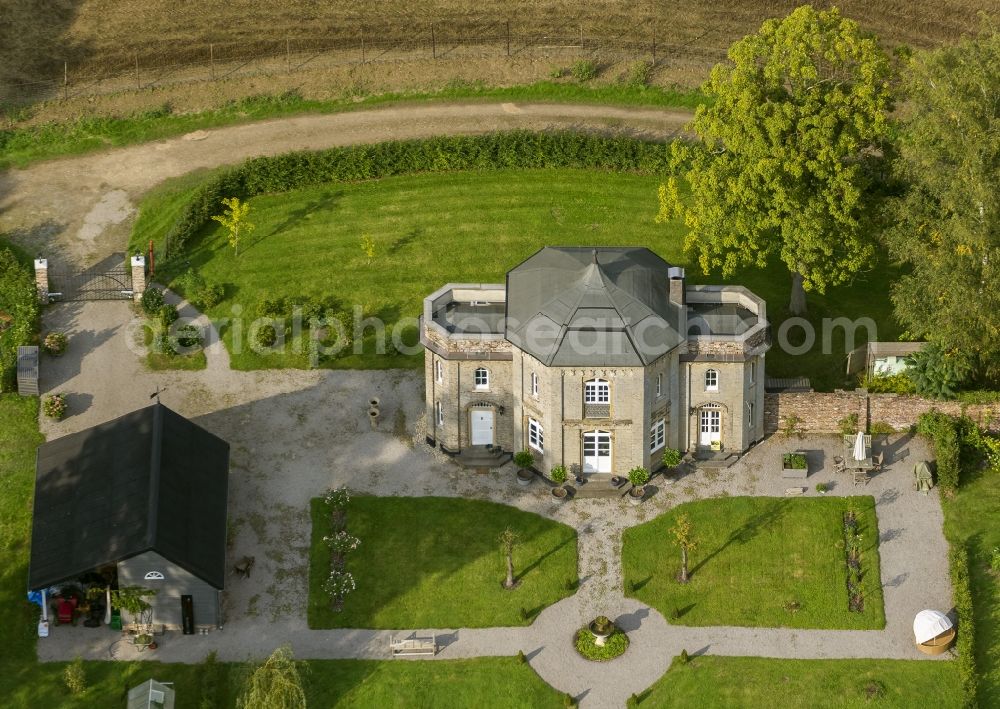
(295, 433)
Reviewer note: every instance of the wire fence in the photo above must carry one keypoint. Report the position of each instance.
(364, 45)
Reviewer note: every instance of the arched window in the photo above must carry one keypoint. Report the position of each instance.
(153, 576)
(534, 385)
(439, 371)
(596, 391)
(482, 378)
(712, 380)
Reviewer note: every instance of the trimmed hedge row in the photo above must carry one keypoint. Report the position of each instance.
(19, 303)
(494, 151)
(965, 643)
(943, 431)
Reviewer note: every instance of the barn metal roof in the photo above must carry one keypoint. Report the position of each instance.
(148, 481)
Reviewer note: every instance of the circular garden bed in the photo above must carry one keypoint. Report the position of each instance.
(614, 646)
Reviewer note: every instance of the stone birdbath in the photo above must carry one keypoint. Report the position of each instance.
(602, 628)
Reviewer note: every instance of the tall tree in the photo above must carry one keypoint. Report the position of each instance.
(788, 150)
(276, 684)
(947, 225)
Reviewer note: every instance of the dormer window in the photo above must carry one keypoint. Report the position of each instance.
(482, 379)
(712, 380)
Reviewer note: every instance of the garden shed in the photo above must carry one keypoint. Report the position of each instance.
(145, 496)
(151, 695)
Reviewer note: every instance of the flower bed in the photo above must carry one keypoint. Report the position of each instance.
(614, 645)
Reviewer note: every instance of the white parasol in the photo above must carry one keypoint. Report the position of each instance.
(929, 624)
(860, 452)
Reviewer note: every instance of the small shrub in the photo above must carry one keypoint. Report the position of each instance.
(188, 336)
(75, 677)
(638, 74)
(632, 702)
(995, 560)
(524, 459)
(671, 457)
(168, 315)
(558, 474)
(521, 657)
(822, 487)
(881, 428)
(794, 461)
(557, 72)
(584, 70)
(151, 301)
(638, 476)
(684, 658)
(572, 584)
(938, 373)
(889, 384)
(269, 307)
(848, 425)
(55, 343)
(793, 606)
(54, 406)
(792, 426)
(568, 700)
(267, 335)
(525, 613)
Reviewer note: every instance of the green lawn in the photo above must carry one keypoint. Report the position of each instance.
(20, 147)
(430, 229)
(757, 556)
(972, 518)
(744, 682)
(434, 562)
(482, 682)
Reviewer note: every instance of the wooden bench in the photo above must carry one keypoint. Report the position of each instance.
(412, 646)
(795, 491)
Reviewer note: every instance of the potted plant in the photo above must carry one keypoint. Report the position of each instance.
(602, 629)
(55, 343)
(524, 460)
(638, 477)
(559, 475)
(54, 406)
(671, 458)
(821, 488)
(794, 465)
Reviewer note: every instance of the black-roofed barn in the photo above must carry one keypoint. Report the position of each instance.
(145, 493)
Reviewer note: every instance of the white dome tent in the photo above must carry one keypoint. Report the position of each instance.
(933, 632)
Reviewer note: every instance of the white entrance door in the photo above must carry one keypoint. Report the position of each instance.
(482, 427)
(597, 452)
(711, 428)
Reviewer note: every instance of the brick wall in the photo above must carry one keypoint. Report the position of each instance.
(820, 412)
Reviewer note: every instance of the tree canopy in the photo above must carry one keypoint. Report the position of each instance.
(947, 224)
(789, 148)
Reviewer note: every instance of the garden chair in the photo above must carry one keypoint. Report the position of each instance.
(879, 461)
(861, 477)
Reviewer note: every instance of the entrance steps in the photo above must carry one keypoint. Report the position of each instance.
(597, 486)
(481, 457)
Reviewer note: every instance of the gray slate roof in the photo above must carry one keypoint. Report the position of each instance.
(569, 306)
(148, 481)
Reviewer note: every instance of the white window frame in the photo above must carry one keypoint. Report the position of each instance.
(597, 391)
(711, 380)
(750, 416)
(534, 384)
(439, 412)
(659, 385)
(485, 385)
(536, 435)
(657, 435)
(153, 576)
(439, 371)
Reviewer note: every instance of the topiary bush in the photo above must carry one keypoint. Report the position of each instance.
(55, 343)
(524, 459)
(151, 301)
(943, 432)
(495, 151)
(558, 474)
(168, 315)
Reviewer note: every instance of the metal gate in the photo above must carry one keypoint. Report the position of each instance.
(97, 283)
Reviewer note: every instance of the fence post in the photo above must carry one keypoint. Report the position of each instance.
(654, 46)
(137, 84)
(581, 36)
(508, 38)
(363, 59)
(65, 80)
(288, 55)
(211, 59)
(434, 52)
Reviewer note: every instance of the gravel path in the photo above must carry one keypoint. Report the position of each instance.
(77, 210)
(295, 433)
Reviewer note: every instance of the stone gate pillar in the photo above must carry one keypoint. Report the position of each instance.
(42, 279)
(138, 277)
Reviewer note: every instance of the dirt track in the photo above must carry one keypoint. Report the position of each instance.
(76, 211)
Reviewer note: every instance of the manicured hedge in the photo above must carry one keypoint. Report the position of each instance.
(943, 431)
(965, 643)
(494, 151)
(19, 302)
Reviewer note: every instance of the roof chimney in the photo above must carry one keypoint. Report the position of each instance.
(676, 285)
